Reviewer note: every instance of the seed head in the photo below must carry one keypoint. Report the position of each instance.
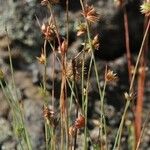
(81, 29)
(71, 71)
(48, 31)
(48, 115)
(63, 48)
(110, 76)
(145, 8)
(90, 14)
(94, 43)
(42, 59)
(80, 122)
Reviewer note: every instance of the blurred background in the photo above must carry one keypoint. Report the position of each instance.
(23, 20)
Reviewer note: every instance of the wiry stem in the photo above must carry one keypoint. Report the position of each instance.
(119, 132)
(45, 64)
(93, 59)
(141, 85)
(17, 105)
(142, 131)
(128, 53)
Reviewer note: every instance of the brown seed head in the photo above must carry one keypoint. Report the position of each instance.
(80, 122)
(64, 47)
(90, 14)
(110, 76)
(42, 59)
(71, 71)
(95, 42)
(48, 31)
(48, 114)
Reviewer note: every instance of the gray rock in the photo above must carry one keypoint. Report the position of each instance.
(4, 109)
(34, 122)
(9, 145)
(19, 17)
(111, 26)
(5, 130)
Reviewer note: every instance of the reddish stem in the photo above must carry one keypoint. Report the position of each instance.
(141, 85)
(128, 53)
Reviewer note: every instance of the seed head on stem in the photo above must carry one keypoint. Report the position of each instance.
(80, 122)
(41, 59)
(48, 31)
(81, 29)
(145, 8)
(110, 76)
(90, 14)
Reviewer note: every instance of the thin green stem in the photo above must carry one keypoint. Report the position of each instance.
(67, 20)
(56, 27)
(45, 69)
(10, 62)
(86, 104)
(103, 120)
(139, 55)
(119, 132)
(83, 92)
(28, 142)
(93, 57)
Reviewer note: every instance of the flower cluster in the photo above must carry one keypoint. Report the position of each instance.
(48, 31)
(95, 44)
(81, 29)
(72, 70)
(48, 115)
(78, 124)
(90, 14)
(42, 59)
(110, 76)
(145, 8)
(63, 47)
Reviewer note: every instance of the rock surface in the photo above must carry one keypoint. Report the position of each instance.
(24, 32)
(19, 17)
